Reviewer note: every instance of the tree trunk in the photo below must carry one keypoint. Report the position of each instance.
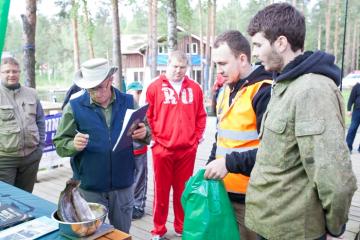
(336, 33)
(89, 30)
(301, 6)
(353, 49)
(190, 56)
(213, 24)
(357, 48)
(328, 26)
(347, 57)
(319, 37)
(74, 21)
(207, 51)
(201, 47)
(29, 28)
(148, 54)
(172, 24)
(117, 45)
(153, 38)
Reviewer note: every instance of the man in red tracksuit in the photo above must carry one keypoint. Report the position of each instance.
(177, 119)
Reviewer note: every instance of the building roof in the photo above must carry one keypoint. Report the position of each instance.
(136, 43)
(132, 43)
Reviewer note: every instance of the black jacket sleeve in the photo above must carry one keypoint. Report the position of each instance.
(241, 162)
(213, 151)
(244, 162)
(352, 97)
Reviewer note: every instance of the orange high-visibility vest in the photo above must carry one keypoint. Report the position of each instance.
(236, 130)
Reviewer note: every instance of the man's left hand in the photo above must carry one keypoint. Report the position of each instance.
(140, 132)
(216, 169)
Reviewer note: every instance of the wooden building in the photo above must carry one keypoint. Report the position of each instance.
(134, 55)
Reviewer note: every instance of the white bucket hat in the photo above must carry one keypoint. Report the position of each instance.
(93, 72)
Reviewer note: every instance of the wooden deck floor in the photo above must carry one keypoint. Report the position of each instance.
(52, 182)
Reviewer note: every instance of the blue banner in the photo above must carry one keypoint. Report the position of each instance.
(51, 124)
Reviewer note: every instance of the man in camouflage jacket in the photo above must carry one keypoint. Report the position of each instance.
(302, 183)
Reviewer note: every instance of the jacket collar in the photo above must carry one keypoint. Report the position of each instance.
(165, 80)
(279, 87)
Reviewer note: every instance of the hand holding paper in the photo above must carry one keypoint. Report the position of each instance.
(133, 127)
(140, 132)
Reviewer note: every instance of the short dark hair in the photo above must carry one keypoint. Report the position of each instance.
(9, 60)
(280, 19)
(236, 41)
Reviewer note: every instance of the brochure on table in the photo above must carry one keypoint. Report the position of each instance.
(30, 230)
(131, 120)
(11, 215)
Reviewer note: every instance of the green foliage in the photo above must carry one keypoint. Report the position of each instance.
(13, 40)
(88, 25)
(136, 24)
(184, 14)
(54, 36)
(64, 6)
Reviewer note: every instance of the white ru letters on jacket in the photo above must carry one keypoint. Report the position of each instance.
(186, 95)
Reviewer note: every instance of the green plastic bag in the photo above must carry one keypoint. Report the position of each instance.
(208, 211)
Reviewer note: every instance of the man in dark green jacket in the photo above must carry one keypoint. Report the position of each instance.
(302, 183)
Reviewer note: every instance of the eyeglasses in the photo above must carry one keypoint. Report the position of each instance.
(100, 88)
(11, 72)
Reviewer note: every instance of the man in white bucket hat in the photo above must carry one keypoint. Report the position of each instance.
(88, 131)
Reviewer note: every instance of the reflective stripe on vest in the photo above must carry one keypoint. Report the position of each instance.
(236, 130)
(221, 151)
(238, 135)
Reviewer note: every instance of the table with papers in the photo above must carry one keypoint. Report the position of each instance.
(39, 207)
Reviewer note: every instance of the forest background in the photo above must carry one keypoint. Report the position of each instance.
(54, 65)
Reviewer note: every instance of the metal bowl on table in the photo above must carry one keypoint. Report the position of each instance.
(85, 228)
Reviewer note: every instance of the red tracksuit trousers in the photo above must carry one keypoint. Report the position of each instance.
(172, 168)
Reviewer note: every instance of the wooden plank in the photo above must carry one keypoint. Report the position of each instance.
(116, 235)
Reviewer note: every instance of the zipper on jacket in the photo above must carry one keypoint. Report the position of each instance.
(20, 120)
(110, 156)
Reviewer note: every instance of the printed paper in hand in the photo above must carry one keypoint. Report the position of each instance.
(131, 120)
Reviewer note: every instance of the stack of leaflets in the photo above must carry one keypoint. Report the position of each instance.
(10, 216)
(30, 230)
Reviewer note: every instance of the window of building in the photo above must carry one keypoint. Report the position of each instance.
(139, 76)
(196, 75)
(162, 49)
(194, 48)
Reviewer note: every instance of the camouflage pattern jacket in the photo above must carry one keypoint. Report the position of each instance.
(302, 182)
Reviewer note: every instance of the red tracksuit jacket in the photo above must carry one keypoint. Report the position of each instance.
(176, 121)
